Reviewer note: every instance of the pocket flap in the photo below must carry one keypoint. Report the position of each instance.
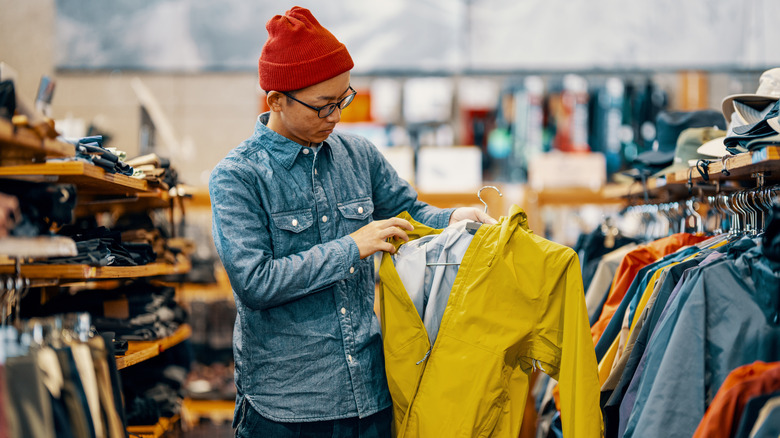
(294, 221)
(358, 209)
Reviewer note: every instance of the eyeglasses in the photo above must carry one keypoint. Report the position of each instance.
(325, 111)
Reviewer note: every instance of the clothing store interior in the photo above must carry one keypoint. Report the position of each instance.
(580, 203)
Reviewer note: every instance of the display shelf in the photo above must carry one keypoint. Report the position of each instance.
(139, 351)
(675, 185)
(87, 272)
(573, 196)
(23, 145)
(153, 199)
(88, 178)
(42, 246)
(163, 426)
(215, 411)
(737, 166)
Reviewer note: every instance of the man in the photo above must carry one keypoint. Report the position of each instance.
(293, 209)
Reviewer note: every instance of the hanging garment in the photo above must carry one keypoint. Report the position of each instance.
(768, 422)
(723, 415)
(629, 268)
(599, 287)
(724, 316)
(428, 267)
(29, 410)
(516, 304)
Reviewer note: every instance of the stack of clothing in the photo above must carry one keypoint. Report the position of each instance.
(753, 118)
(43, 206)
(91, 150)
(155, 170)
(103, 247)
(156, 389)
(139, 310)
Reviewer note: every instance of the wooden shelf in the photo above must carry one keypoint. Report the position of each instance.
(139, 351)
(573, 196)
(42, 246)
(88, 178)
(153, 199)
(23, 145)
(738, 166)
(674, 186)
(163, 426)
(87, 272)
(216, 411)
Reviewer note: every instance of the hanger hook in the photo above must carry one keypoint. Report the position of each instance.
(479, 195)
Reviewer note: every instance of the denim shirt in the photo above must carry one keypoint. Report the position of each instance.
(306, 341)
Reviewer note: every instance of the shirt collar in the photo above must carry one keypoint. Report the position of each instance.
(281, 148)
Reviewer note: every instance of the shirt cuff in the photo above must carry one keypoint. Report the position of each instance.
(444, 218)
(352, 253)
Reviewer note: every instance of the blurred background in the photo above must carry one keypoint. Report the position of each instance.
(550, 101)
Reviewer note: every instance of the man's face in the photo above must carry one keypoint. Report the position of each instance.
(300, 123)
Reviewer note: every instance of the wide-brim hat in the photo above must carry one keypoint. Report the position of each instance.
(669, 125)
(768, 92)
(687, 147)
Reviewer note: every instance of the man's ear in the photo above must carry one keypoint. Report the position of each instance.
(274, 100)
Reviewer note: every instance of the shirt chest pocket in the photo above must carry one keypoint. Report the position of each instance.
(355, 214)
(292, 232)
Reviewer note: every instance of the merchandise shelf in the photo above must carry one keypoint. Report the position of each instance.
(87, 272)
(139, 351)
(19, 144)
(675, 185)
(736, 166)
(215, 411)
(162, 427)
(87, 177)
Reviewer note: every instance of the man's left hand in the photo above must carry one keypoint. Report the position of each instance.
(471, 213)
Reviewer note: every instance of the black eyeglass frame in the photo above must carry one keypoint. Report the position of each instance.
(332, 106)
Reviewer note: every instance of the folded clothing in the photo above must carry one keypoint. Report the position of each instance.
(42, 206)
(136, 311)
(100, 246)
(91, 150)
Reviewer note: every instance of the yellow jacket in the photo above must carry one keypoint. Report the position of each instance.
(517, 304)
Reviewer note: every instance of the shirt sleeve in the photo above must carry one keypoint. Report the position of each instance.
(241, 235)
(392, 195)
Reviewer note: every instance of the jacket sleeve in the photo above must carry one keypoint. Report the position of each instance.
(578, 377)
(392, 195)
(241, 234)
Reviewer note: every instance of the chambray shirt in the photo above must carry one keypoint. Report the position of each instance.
(306, 341)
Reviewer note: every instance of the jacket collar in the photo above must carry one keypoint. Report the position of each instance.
(281, 148)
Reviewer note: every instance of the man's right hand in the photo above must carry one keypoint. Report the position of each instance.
(373, 237)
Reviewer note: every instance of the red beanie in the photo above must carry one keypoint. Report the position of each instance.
(300, 52)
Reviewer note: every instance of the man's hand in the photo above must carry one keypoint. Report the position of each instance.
(373, 237)
(471, 213)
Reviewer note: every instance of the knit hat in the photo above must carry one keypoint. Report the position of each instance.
(300, 52)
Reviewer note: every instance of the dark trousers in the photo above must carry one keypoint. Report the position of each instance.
(254, 425)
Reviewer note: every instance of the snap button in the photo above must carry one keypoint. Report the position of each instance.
(305, 151)
(295, 222)
(324, 218)
(360, 209)
(343, 311)
(351, 269)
